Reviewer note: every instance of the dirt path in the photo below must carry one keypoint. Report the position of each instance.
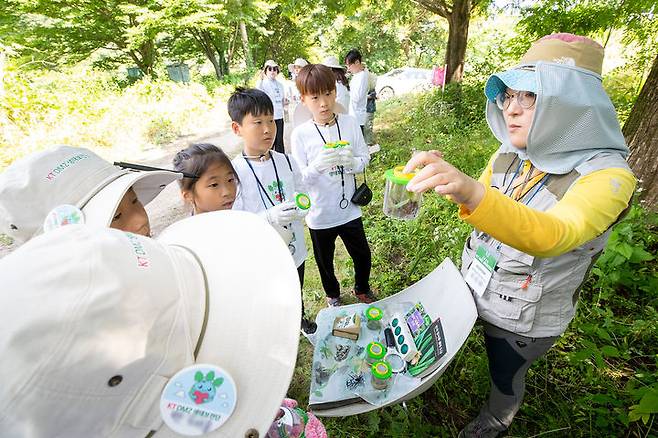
(168, 207)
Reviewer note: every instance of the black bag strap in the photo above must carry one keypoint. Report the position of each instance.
(365, 180)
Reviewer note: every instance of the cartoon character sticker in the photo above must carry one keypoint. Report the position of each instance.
(62, 215)
(205, 387)
(198, 400)
(273, 188)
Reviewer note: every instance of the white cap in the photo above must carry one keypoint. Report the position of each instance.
(97, 321)
(31, 187)
(332, 62)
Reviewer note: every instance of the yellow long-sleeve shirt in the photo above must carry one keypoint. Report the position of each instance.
(585, 211)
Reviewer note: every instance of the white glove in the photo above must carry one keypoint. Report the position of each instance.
(347, 158)
(282, 214)
(301, 214)
(326, 159)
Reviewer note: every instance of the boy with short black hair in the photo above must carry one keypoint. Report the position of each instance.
(269, 180)
(328, 173)
(358, 87)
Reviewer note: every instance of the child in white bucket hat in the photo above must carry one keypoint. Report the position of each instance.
(133, 336)
(68, 184)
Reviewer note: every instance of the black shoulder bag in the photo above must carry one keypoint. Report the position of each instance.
(362, 195)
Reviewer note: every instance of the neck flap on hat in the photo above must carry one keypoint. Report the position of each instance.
(574, 120)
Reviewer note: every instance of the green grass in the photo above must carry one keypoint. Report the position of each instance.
(599, 369)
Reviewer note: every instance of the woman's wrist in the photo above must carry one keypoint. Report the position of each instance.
(477, 194)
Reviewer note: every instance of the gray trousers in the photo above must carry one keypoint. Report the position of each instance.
(510, 355)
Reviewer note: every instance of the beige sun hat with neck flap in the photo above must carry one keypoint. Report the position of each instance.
(108, 333)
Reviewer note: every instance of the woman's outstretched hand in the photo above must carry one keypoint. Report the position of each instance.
(436, 173)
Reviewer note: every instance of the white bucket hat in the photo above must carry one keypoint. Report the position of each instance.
(94, 345)
(332, 62)
(33, 186)
(270, 63)
(299, 62)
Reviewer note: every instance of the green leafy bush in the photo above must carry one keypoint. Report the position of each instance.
(86, 107)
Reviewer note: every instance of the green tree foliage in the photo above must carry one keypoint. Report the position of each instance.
(598, 18)
(287, 37)
(389, 34)
(458, 14)
(207, 28)
(60, 31)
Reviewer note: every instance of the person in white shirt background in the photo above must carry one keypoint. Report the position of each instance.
(275, 91)
(342, 85)
(358, 86)
(292, 93)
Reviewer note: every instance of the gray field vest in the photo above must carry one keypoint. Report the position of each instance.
(546, 304)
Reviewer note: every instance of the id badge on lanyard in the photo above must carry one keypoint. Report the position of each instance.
(482, 268)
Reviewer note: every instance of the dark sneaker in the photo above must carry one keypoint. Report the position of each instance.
(481, 428)
(334, 302)
(366, 298)
(308, 327)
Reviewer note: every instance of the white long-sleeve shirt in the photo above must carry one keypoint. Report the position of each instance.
(252, 198)
(343, 95)
(326, 189)
(275, 91)
(359, 96)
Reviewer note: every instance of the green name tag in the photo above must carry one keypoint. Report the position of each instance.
(486, 258)
(480, 272)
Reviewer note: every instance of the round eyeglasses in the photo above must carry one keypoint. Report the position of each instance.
(526, 99)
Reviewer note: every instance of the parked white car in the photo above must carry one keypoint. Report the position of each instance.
(403, 80)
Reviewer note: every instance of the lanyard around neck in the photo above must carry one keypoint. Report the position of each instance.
(261, 189)
(322, 136)
(540, 182)
(343, 200)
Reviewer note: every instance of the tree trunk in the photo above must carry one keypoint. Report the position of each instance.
(219, 49)
(231, 46)
(245, 45)
(458, 22)
(209, 50)
(641, 134)
(144, 57)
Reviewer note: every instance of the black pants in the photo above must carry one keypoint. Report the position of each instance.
(324, 246)
(278, 140)
(510, 356)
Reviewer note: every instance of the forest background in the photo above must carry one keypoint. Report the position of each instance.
(96, 73)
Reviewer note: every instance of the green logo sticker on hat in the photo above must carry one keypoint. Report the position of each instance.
(198, 400)
(61, 215)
